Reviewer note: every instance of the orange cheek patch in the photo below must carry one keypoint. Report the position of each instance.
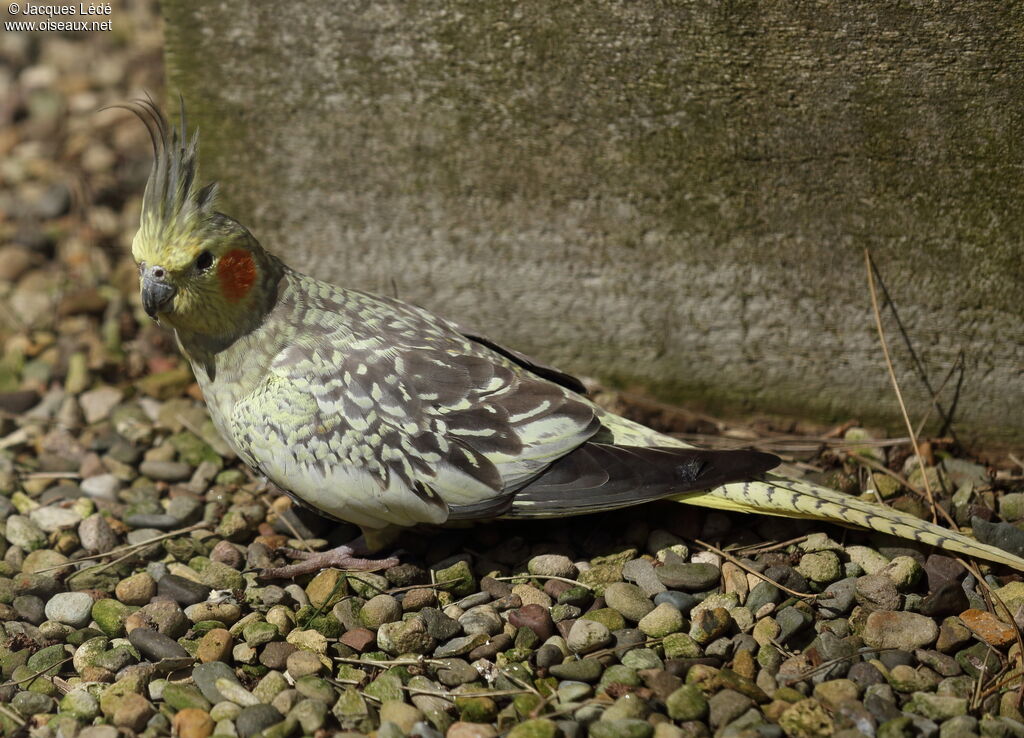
(237, 274)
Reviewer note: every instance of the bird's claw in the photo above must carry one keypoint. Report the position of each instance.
(341, 557)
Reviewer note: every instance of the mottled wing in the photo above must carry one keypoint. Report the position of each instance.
(408, 432)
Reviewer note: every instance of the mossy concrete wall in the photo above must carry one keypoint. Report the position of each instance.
(674, 195)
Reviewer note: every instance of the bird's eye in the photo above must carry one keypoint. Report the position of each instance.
(204, 261)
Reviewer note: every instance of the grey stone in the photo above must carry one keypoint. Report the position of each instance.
(206, 675)
(628, 600)
(251, 720)
(71, 608)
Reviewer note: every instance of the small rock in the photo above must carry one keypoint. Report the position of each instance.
(101, 487)
(70, 608)
(588, 635)
(901, 630)
(661, 621)
(579, 670)
(403, 715)
(988, 627)
(138, 589)
(628, 599)
(206, 675)
(110, 615)
(133, 712)
(937, 707)
(877, 592)
(216, 645)
(22, 531)
(379, 610)
(642, 573)
(251, 720)
(726, 706)
(303, 663)
(96, 534)
(97, 404)
(687, 703)
(275, 654)
(166, 471)
(156, 646)
(552, 565)
(689, 577)
(52, 519)
(534, 617)
(820, 567)
(192, 723)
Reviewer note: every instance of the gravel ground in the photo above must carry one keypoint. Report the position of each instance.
(129, 601)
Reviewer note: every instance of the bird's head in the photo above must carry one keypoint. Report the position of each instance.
(199, 270)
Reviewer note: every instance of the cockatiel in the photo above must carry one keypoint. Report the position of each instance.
(377, 412)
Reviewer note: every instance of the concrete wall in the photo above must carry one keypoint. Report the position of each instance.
(667, 194)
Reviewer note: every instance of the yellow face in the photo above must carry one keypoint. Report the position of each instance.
(198, 281)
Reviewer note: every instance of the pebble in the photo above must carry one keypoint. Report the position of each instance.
(23, 532)
(275, 655)
(98, 403)
(628, 600)
(579, 670)
(661, 621)
(303, 663)
(183, 591)
(166, 471)
(988, 627)
(482, 619)
(70, 608)
(155, 645)
(138, 589)
(251, 720)
(101, 487)
(205, 677)
(642, 573)
(52, 519)
(235, 692)
(215, 645)
(552, 565)
(96, 534)
(588, 635)
(838, 598)
(902, 630)
(536, 618)
(192, 723)
(689, 577)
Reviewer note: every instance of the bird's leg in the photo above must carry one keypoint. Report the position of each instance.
(348, 556)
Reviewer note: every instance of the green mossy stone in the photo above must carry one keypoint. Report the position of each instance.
(609, 618)
(457, 579)
(185, 696)
(48, 660)
(221, 576)
(387, 686)
(80, 704)
(687, 703)
(110, 615)
(600, 576)
(476, 709)
(618, 674)
(681, 646)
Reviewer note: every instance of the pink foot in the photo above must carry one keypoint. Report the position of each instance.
(341, 557)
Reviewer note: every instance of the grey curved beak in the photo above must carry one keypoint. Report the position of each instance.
(156, 294)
